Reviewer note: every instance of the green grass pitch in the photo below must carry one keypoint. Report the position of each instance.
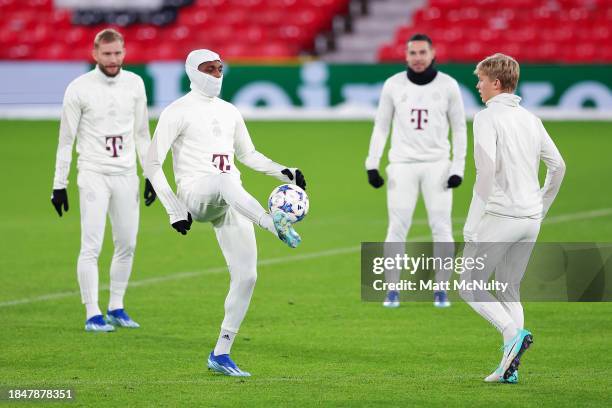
(308, 339)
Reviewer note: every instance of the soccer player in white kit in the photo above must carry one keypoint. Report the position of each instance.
(420, 104)
(105, 110)
(205, 133)
(508, 204)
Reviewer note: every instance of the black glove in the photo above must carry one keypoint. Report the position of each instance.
(183, 226)
(149, 193)
(454, 181)
(375, 179)
(300, 181)
(59, 199)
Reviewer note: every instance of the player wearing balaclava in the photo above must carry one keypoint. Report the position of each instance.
(208, 84)
(205, 134)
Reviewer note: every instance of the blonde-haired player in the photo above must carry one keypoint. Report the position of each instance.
(105, 110)
(508, 204)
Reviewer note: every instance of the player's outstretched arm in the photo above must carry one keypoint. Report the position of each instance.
(485, 145)
(295, 176)
(380, 133)
(249, 156)
(555, 172)
(69, 123)
(166, 132)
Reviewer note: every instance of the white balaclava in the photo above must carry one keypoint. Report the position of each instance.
(205, 83)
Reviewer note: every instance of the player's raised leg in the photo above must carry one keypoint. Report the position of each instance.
(244, 203)
(438, 203)
(94, 200)
(237, 241)
(124, 215)
(402, 193)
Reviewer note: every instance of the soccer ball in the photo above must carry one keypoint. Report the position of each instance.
(290, 199)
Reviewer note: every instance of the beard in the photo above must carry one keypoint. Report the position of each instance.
(107, 73)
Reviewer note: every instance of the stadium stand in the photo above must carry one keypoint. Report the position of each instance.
(537, 31)
(238, 29)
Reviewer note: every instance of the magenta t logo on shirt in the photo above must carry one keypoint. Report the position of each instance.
(114, 144)
(420, 117)
(223, 162)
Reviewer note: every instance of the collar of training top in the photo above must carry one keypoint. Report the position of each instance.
(423, 78)
(505, 98)
(197, 57)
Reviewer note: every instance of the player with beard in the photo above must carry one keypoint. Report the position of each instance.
(105, 110)
(420, 104)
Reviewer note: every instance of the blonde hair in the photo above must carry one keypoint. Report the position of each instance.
(502, 67)
(108, 35)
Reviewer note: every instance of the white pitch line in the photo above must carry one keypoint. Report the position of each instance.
(558, 219)
(555, 219)
(186, 275)
(585, 215)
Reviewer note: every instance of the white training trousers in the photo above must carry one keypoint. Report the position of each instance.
(118, 196)
(507, 243)
(404, 181)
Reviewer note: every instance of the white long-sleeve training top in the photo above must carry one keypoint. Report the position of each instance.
(108, 118)
(509, 143)
(204, 134)
(420, 115)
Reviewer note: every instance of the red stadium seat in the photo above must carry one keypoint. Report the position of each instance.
(52, 52)
(146, 35)
(273, 28)
(9, 5)
(39, 4)
(59, 19)
(211, 4)
(197, 17)
(233, 17)
(267, 18)
(165, 52)
(274, 50)
(178, 34)
(463, 30)
(530, 30)
(21, 51)
(252, 34)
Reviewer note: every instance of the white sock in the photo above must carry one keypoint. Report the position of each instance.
(266, 222)
(509, 332)
(92, 310)
(120, 271)
(224, 343)
(115, 302)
